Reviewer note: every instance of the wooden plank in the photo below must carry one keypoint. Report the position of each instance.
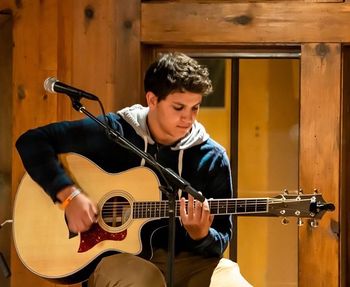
(93, 50)
(34, 55)
(128, 78)
(65, 56)
(320, 159)
(6, 94)
(10, 5)
(104, 38)
(224, 23)
(6, 116)
(345, 170)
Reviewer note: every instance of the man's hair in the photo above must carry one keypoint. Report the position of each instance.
(177, 72)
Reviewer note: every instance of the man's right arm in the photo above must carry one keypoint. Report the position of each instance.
(80, 211)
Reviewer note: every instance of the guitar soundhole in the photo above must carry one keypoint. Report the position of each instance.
(116, 211)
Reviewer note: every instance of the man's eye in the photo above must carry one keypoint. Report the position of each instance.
(178, 108)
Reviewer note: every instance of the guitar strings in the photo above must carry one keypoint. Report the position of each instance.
(161, 207)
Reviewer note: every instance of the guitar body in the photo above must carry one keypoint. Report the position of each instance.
(41, 236)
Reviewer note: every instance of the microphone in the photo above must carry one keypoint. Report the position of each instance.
(53, 85)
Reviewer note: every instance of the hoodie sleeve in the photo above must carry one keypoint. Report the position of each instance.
(39, 149)
(219, 185)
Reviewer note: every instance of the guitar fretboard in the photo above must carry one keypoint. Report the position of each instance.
(160, 209)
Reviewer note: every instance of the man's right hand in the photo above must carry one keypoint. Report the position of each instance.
(81, 212)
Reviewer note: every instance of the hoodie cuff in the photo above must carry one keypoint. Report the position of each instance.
(201, 244)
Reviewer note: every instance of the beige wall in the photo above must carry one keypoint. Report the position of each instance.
(268, 163)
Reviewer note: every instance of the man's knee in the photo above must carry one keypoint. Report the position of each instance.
(126, 270)
(227, 273)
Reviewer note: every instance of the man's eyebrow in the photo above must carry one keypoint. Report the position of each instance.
(182, 104)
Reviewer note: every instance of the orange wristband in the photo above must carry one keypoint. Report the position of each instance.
(67, 201)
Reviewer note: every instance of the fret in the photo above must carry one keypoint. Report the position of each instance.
(142, 210)
(134, 210)
(262, 205)
(156, 212)
(214, 206)
(251, 205)
(154, 209)
(148, 209)
(165, 209)
(241, 205)
(231, 206)
(145, 210)
(139, 210)
(224, 207)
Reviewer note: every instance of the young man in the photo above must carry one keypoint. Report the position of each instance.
(167, 129)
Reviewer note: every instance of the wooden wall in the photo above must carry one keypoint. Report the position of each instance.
(93, 45)
(102, 47)
(5, 137)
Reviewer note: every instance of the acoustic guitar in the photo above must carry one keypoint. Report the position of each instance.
(127, 201)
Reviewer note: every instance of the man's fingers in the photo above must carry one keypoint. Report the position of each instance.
(183, 212)
(94, 213)
(190, 206)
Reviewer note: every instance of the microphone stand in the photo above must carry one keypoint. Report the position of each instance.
(3, 264)
(171, 178)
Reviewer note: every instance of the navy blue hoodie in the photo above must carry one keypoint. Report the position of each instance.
(197, 158)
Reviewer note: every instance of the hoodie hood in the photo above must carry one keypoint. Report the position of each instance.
(136, 116)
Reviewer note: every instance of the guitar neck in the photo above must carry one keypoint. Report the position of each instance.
(160, 209)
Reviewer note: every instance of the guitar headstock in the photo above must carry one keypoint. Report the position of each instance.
(300, 205)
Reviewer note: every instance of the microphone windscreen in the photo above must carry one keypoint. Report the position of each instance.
(49, 84)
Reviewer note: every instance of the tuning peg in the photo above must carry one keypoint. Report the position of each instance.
(285, 191)
(315, 191)
(284, 221)
(300, 191)
(313, 223)
(300, 222)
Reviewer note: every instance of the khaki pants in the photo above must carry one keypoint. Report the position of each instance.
(125, 270)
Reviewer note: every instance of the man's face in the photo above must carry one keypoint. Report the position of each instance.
(171, 119)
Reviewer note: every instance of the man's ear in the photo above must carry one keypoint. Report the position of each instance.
(151, 99)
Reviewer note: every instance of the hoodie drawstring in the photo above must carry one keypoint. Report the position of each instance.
(179, 163)
(179, 167)
(143, 161)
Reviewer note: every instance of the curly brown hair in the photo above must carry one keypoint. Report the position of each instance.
(177, 72)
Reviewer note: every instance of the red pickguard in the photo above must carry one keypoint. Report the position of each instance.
(95, 235)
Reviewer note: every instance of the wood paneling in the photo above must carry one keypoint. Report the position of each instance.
(215, 23)
(345, 171)
(99, 51)
(64, 55)
(127, 61)
(34, 55)
(319, 159)
(92, 51)
(6, 24)
(7, 5)
(92, 45)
